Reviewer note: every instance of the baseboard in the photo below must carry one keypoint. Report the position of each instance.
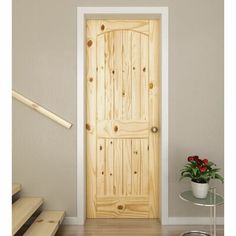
(170, 221)
(72, 221)
(193, 221)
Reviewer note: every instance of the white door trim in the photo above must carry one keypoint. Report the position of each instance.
(84, 13)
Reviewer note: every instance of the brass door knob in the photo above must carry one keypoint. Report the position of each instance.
(154, 129)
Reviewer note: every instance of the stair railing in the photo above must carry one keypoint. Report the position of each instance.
(41, 110)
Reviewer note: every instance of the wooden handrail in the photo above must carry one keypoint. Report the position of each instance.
(41, 110)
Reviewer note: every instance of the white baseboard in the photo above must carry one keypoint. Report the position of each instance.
(72, 221)
(170, 221)
(193, 221)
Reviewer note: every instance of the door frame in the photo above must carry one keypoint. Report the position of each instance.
(84, 13)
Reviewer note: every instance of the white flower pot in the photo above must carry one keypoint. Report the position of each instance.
(200, 190)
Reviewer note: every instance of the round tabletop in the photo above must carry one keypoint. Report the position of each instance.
(211, 199)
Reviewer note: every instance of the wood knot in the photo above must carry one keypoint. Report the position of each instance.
(88, 127)
(90, 43)
(102, 27)
(51, 221)
(144, 69)
(116, 128)
(100, 147)
(102, 172)
(133, 68)
(151, 85)
(91, 79)
(120, 207)
(39, 221)
(135, 172)
(110, 174)
(113, 72)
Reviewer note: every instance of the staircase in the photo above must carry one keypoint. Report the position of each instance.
(46, 224)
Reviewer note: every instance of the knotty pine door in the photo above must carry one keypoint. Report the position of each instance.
(122, 79)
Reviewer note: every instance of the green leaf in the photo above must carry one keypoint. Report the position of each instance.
(193, 163)
(189, 164)
(213, 175)
(211, 163)
(217, 176)
(185, 176)
(195, 171)
(185, 171)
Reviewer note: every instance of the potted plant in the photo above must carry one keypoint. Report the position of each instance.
(200, 172)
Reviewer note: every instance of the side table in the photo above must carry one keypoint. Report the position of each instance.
(212, 201)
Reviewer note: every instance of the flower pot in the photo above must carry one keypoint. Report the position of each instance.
(200, 190)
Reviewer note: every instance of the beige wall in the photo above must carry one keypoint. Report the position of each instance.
(44, 69)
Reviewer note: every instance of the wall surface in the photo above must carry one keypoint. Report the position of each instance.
(44, 69)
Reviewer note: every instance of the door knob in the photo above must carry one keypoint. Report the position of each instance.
(154, 129)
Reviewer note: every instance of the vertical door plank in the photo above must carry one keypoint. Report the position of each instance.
(153, 115)
(117, 65)
(118, 161)
(127, 73)
(136, 167)
(100, 77)
(109, 53)
(144, 77)
(136, 75)
(144, 166)
(100, 167)
(91, 118)
(127, 167)
(109, 167)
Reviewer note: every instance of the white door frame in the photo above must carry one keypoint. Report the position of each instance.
(84, 13)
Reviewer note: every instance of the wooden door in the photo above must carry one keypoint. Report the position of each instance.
(122, 107)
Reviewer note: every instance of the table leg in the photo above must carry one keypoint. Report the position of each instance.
(213, 213)
(214, 209)
(211, 221)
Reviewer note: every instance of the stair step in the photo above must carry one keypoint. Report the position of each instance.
(22, 210)
(46, 224)
(16, 188)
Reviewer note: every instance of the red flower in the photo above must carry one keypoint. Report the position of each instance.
(203, 169)
(205, 161)
(190, 158)
(199, 162)
(193, 158)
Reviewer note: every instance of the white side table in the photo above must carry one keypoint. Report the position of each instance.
(212, 201)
